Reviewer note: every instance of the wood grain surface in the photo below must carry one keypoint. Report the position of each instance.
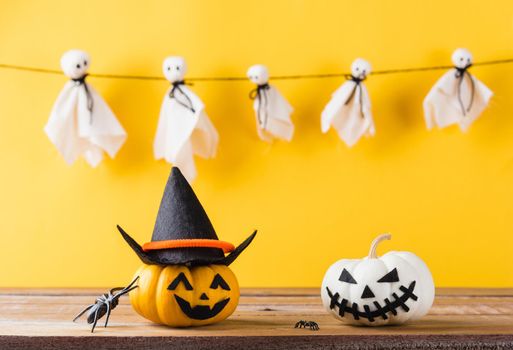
(265, 318)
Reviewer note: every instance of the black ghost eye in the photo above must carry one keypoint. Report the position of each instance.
(357, 68)
(390, 277)
(78, 65)
(168, 68)
(461, 59)
(177, 68)
(219, 282)
(345, 276)
(85, 63)
(180, 278)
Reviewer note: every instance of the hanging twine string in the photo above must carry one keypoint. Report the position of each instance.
(176, 88)
(90, 101)
(240, 78)
(260, 94)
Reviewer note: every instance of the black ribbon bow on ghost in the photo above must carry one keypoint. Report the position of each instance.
(357, 86)
(260, 93)
(460, 75)
(90, 101)
(173, 94)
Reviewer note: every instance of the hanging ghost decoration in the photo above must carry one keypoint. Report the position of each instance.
(184, 128)
(349, 110)
(271, 108)
(457, 97)
(81, 123)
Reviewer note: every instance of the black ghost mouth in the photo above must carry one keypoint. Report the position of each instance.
(200, 312)
(381, 311)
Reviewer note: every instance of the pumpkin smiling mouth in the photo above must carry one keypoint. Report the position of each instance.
(200, 312)
(381, 310)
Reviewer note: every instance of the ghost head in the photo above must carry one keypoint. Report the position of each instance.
(461, 58)
(258, 74)
(174, 68)
(75, 63)
(360, 68)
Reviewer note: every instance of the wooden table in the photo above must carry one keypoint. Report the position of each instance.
(265, 318)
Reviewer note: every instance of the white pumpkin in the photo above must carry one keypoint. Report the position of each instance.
(394, 288)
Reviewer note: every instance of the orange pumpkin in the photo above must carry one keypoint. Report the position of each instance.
(185, 279)
(181, 296)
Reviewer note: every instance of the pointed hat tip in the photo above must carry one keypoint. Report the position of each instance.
(175, 171)
(177, 175)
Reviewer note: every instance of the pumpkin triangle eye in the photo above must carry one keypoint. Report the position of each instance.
(180, 278)
(390, 277)
(219, 282)
(345, 276)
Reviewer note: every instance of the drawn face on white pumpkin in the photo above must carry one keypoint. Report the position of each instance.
(462, 58)
(360, 68)
(174, 68)
(75, 63)
(258, 74)
(393, 288)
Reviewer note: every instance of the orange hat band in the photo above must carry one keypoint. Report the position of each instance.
(189, 243)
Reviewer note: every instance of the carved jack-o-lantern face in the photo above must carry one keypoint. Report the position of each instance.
(182, 296)
(393, 288)
(200, 311)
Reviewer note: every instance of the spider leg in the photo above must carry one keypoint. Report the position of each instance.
(122, 289)
(108, 314)
(83, 312)
(123, 292)
(116, 289)
(95, 320)
(132, 283)
(130, 289)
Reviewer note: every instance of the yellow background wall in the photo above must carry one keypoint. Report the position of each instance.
(445, 195)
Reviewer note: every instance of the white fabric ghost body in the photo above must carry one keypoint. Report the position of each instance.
(457, 97)
(81, 122)
(349, 110)
(184, 129)
(272, 110)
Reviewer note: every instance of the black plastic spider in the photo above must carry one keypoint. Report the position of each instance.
(104, 304)
(307, 324)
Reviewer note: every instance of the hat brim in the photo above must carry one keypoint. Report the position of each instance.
(189, 243)
(185, 256)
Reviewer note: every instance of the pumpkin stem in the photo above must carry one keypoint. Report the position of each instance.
(375, 242)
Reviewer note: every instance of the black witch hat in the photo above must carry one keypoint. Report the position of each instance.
(183, 233)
